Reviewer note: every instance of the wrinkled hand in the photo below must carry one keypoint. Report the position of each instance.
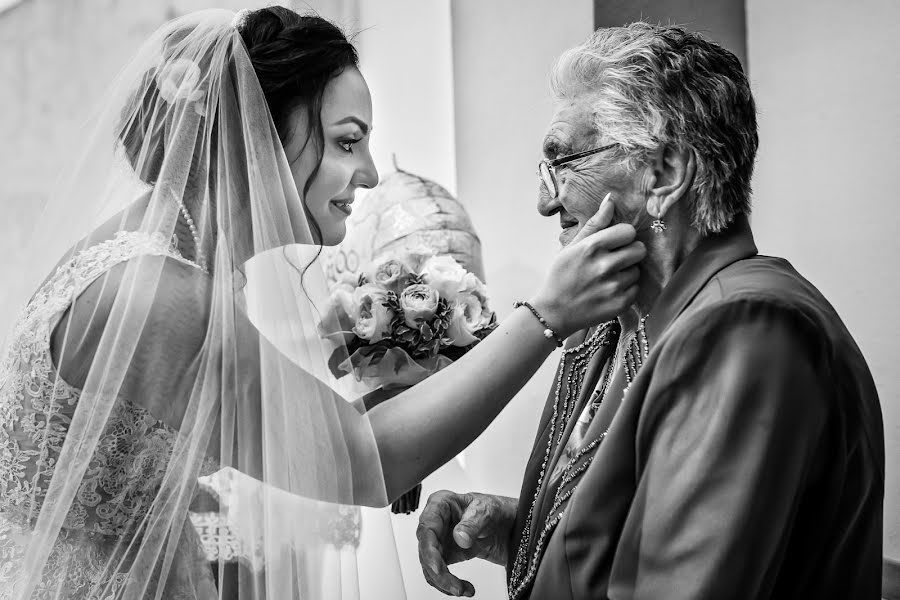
(594, 278)
(457, 527)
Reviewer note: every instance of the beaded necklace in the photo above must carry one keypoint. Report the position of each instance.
(637, 349)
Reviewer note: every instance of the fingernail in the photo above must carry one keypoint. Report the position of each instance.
(606, 199)
(464, 537)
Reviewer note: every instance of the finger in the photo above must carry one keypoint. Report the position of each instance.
(434, 567)
(437, 512)
(475, 523)
(624, 279)
(616, 236)
(628, 297)
(601, 219)
(443, 499)
(623, 258)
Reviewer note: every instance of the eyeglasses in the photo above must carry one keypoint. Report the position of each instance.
(547, 168)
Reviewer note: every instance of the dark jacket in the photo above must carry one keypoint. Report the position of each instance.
(746, 459)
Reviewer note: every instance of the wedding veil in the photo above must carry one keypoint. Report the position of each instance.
(184, 158)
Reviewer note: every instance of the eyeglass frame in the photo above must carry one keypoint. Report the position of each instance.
(550, 166)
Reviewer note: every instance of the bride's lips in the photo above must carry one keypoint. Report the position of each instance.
(343, 205)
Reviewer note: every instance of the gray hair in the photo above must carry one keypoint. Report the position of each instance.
(655, 85)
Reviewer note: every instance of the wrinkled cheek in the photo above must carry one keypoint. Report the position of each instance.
(582, 196)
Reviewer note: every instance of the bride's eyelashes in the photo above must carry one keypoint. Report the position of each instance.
(347, 145)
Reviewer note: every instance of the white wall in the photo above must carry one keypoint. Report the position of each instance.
(826, 77)
(405, 55)
(502, 54)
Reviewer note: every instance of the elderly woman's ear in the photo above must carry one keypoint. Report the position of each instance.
(671, 173)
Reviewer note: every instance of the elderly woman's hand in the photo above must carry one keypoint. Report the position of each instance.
(458, 527)
(594, 278)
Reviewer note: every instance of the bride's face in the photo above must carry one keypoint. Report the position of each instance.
(346, 160)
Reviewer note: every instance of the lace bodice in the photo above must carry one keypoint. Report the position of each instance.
(125, 472)
(37, 405)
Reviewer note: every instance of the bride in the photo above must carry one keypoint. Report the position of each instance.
(140, 363)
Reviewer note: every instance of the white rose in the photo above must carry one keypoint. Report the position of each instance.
(419, 303)
(348, 278)
(460, 332)
(445, 275)
(472, 285)
(470, 314)
(390, 273)
(373, 319)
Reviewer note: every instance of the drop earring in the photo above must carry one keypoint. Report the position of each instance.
(658, 225)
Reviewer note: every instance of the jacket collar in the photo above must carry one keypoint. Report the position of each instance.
(713, 254)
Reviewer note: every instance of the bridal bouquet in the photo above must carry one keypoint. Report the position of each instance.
(405, 317)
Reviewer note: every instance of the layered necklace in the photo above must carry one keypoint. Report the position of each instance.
(637, 348)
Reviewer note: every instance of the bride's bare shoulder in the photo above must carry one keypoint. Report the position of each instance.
(163, 287)
(160, 299)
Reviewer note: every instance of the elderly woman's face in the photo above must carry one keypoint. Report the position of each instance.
(584, 183)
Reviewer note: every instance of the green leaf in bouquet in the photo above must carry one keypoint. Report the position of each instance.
(440, 320)
(484, 331)
(392, 301)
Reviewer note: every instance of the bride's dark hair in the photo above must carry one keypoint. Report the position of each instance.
(294, 58)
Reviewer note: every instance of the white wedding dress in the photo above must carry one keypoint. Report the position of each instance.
(98, 497)
(36, 407)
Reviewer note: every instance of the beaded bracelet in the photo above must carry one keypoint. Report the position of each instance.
(549, 333)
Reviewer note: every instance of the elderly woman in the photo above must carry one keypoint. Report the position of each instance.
(723, 438)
